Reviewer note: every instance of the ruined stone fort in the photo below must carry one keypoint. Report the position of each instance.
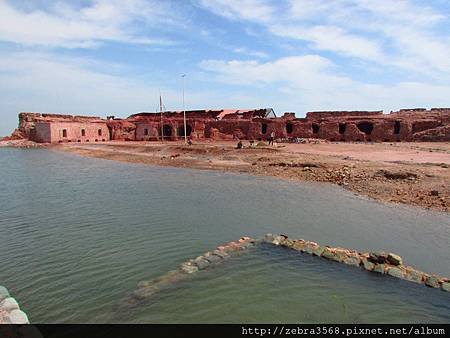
(250, 124)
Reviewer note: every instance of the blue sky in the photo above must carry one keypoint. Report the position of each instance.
(101, 57)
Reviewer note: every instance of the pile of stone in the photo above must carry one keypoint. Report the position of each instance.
(378, 262)
(146, 289)
(10, 312)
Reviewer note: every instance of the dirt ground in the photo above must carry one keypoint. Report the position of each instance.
(410, 173)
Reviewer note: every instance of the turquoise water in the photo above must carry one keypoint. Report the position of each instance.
(78, 234)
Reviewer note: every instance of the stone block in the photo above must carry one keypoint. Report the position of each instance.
(352, 260)
(221, 254)
(369, 266)
(212, 258)
(396, 272)
(9, 304)
(18, 317)
(414, 275)
(4, 293)
(432, 281)
(299, 245)
(318, 250)
(188, 267)
(379, 268)
(378, 257)
(201, 262)
(394, 259)
(445, 286)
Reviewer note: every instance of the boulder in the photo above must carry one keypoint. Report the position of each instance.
(221, 253)
(201, 262)
(329, 253)
(287, 242)
(212, 258)
(18, 317)
(378, 257)
(369, 266)
(9, 304)
(299, 245)
(394, 259)
(445, 286)
(4, 293)
(188, 267)
(318, 250)
(352, 260)
(396, 272)
(145, 292)
(414, 275)
(379, 268)
(278, 240)
(268, 238)
(432, 281)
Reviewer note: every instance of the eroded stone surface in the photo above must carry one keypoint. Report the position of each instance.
(18, 317)
(394, 259)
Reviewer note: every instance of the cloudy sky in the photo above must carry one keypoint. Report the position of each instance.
(115, 56)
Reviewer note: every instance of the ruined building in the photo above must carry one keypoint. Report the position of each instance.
(250, 124)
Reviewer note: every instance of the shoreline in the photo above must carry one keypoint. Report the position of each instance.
(386, 173)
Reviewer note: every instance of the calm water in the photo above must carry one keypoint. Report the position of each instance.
(77, 235)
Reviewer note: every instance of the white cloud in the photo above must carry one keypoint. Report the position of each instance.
(332, 38)
(250, 52)
(310, 83)
(66, 26)
(252, 10)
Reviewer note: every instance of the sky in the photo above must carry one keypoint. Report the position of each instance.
(115, 57)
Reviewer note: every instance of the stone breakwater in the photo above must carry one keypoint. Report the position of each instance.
(146, 289)
(378, 262)
(10, 312)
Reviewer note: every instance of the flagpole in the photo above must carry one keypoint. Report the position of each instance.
(184, 108)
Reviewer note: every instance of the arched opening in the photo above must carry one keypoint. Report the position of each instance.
(397, 127)
(365, 127)
(342, 128)
(180, 130)
(83, 132)
(289, 128)
(64, 132)
(100, 132)
(167, 130)
(145, 131)
(264, 128)
(315, 128)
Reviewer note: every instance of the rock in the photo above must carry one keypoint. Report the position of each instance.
(145, 292)
(432, 281)
(445, 286)
(9, 304)
(212, 258)
(221, 254)
(329, 253)
(201, 262)
(413, 275)
(4, 293)
(394, 259)
(278, 239)
(268, 238)
(434, 193)
(396, 272)
(299, 245)
(352, 260)
(318, 250)
(18, 317)
(289, 243)
(379, 268)
(188, 267)
(378, 257)
(369, 266)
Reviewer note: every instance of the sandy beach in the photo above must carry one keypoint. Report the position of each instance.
(410, 173)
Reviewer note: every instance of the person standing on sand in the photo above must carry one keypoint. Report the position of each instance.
(271, 138)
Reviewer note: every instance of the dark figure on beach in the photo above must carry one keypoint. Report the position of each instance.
(189, 140)
(271, 138)
(239, 145)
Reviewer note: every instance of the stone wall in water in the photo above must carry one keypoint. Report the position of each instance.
(377, 262)
(10, 312)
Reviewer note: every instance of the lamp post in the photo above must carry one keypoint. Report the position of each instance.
(184, 108)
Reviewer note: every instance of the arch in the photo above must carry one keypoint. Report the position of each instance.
(167, 130)
(289, 128)
(397, 127)
(180, 130)
(315, 128)
(264, 128)
(342, 128)
(365, 127)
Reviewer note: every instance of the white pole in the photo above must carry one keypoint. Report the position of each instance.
(184, 109)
